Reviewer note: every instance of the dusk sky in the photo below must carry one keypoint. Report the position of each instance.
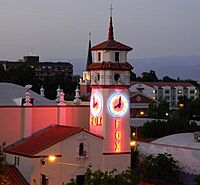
(59, 29)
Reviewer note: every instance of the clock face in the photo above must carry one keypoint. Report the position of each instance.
(96, 104)
(118, 104)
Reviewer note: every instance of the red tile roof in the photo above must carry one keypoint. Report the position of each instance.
(110, 66)
(162, 84)
(111, 45)
(141, 98)
(43, 139)
(13, 176)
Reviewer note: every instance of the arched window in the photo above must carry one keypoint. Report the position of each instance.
(81, 149)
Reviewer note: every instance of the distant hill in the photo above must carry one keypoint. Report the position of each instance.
(186, 67)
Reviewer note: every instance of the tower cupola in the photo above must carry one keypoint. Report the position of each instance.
(110, 66)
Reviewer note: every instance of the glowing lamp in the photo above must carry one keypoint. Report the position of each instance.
(181, 105)
(133, 134)
(142, 113)
(133, 143)
(52, 158)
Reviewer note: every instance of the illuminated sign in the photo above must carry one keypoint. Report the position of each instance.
(117, 135)
(96, 104)
(118, 104)
(97, 121)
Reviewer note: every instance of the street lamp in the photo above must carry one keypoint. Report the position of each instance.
(52, 158)
(141, 113)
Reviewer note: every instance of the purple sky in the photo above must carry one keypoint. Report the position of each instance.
(59, 29)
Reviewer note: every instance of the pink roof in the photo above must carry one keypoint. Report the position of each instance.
(44, 139)
(162, 84)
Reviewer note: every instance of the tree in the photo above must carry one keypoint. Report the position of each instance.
(104, 178)
(158, 110)
(3, 74)
(197, 180)
(21, 75)
(132, 76)
(160, 167)
(168, 79)
(149, 76)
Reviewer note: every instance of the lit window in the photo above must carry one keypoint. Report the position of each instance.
(179, 92)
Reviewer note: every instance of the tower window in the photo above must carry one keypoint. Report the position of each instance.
(116, 76)
(99, 56)
(117, 56)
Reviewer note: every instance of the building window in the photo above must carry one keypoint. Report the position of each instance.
(192, 91)
(166, 91)
(154, 91)
(116, 76)
(16, 161)
(45, 180)
(167, 98)
(99, 56)
(98, 76)
(116, 56)
(82, 151)
(179, 92)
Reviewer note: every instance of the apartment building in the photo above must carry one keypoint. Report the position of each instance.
(42, 69)
(169, 91)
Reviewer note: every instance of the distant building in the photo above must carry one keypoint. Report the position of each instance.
(42, 69)
(169, 91)
(139, 105)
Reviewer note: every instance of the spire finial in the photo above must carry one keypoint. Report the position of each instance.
(110, 32)
(89, 57)
(89, 35)
(111, 9)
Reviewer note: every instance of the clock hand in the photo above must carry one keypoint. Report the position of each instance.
(119, 103)
(94, 103)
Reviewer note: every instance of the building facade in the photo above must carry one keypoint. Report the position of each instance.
(172, 92)
(105, 140)
(42, 69)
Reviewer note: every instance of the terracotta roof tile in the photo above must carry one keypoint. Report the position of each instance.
(111, 45)
(162, 84)
(110, 66)
(43, 140)
(14, 176)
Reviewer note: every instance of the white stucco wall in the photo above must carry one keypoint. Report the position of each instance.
(59, 172)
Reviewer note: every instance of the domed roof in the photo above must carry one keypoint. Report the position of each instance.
(181, 140)
(12, 94)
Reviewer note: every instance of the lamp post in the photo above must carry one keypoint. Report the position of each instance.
(52, 159)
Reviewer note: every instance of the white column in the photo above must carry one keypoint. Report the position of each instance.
(27, 127)
(62, 109)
